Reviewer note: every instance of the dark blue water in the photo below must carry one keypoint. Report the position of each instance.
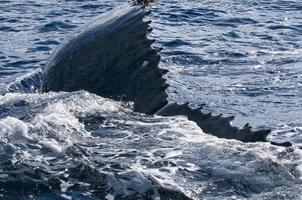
(239, 58)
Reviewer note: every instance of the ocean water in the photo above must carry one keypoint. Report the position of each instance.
(240, 58)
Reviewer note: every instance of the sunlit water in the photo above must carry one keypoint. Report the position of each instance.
(239, 58)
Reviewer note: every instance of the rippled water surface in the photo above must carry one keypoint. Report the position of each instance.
(240, 58)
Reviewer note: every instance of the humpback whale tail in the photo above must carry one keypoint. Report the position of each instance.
(215, 125)
(112, 57)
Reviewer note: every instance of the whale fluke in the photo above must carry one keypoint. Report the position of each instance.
(215, 125)
(112, 57)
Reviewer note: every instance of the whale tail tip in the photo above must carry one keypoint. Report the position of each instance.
(216, 125)
(141, 2)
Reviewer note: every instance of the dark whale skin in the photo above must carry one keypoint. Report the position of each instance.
(112, 57)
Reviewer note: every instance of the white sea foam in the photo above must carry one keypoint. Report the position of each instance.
(156, 150)
(13, 129)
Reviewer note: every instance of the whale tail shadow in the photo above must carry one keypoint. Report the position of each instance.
(112, 57)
